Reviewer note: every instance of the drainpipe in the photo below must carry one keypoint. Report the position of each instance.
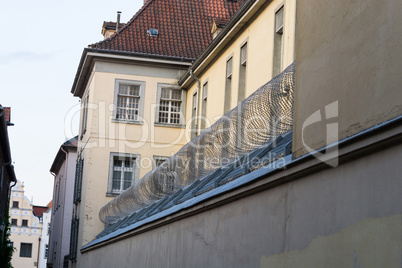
(37, 262)
(198, 101)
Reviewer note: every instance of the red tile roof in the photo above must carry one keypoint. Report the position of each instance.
(38, 210)
(184, 27)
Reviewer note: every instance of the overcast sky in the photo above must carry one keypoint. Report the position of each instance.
(40, 47)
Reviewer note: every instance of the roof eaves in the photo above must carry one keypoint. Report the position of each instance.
(86, 61)
(71, 144)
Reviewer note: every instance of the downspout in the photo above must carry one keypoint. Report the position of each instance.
(198, 101)
(37, 262)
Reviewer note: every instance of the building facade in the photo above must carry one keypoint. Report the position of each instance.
(133, 110)
(26, 228)
(334, 199)
(63, 170)
(44, 245)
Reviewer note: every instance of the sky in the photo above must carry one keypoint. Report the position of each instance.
(40, 48)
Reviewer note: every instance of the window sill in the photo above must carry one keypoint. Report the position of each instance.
(127, 122)
(169, 125)
(112, 194)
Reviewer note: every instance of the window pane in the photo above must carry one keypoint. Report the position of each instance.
(116, 180)
(243, 54)
(131, 90)
(128, 179)
(229, 68)
(165, 93)
(176, 94)
(279, 21)
(26, 250)
(205, 91)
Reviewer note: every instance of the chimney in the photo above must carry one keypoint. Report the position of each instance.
(118, 21)
(110, 27)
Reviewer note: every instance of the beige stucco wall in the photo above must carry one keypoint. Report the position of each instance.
(104, 136)
(347, 52)
(259, 34)
(21, 234)
(348, 216)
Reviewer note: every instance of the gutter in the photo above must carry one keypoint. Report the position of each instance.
(82, 70)
(220, 37)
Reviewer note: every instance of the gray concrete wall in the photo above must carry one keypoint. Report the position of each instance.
(350, 52)
(348, 216)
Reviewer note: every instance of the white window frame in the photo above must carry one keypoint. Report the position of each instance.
(135, 158)
(141, 84)
(182, 108)
(158, 157)
(84, 119)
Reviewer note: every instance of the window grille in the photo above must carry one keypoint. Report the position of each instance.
(123, 173)
(78, 179)
(170, 106)
(74, 238)
(128, 101)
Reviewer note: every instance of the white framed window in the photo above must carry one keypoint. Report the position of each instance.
(278, 41)
(84, 115)
(204, 105)
(159, 160)
(128, 101)
(123, 171)
(228, 84)
(194, 127)
(241, 93)
(170, 105)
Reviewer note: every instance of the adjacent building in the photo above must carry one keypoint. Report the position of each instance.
(63, 170)
(26, 228)
(44, 245)
(8, 180)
